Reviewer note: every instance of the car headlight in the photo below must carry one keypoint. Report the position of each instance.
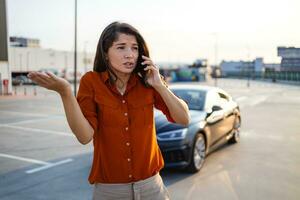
(172, 135)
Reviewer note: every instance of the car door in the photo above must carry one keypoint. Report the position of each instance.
(215, 120)
(228, 111)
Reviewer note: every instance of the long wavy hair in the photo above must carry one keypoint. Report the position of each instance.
(109, 35)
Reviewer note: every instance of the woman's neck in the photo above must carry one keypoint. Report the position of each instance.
(122, 79)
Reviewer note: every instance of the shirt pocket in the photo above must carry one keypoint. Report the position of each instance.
(142, 111)
(109, 111)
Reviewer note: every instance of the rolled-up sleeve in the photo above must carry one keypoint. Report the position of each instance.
(85, 99)
(161, 105)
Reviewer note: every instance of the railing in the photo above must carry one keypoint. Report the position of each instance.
(270, 75)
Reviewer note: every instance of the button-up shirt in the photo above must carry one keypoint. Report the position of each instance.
(125, 145)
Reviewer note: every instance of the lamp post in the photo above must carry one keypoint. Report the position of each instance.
(248, 82)
(216, 57)
(75, 51)
(85, 56)
(248, 66)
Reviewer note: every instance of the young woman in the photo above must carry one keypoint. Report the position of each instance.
(114, 108)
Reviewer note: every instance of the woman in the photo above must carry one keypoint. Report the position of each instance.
(114, 108)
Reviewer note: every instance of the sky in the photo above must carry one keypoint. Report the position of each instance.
(175, 30)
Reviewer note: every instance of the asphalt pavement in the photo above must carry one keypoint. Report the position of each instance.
(41, 159)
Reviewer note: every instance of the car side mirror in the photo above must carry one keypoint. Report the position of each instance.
(216, 108)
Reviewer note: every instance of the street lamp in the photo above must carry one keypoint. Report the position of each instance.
(248, 65)
(85, 62)
(216, 56)
(75, 51)
(248, 82)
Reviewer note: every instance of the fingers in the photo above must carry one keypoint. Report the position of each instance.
(50, 74)
(39, 74)
(148, 62)
(40, 81)
(40, 78)
(150, 67)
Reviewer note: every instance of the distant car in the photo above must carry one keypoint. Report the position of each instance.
(55, 71)
(21, 80)
(69, 74)
(215, 120)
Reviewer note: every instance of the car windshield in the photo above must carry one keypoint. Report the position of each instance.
(194, 98)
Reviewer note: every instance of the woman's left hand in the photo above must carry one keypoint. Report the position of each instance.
(153, 76)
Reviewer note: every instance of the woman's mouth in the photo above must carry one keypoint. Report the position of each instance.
(128, 64)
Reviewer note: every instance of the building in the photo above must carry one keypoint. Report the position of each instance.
(24, 42)
(241, 67)
(5, 77)
(26, 59)
(272, 67)
(290, 58)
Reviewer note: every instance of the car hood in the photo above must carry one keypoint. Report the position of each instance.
(163, 125)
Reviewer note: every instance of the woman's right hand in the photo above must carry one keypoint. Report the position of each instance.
(50, 81)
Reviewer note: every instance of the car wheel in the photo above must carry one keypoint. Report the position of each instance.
(236, 131)
(198, 154)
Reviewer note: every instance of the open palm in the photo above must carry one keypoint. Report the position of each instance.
(50, 81)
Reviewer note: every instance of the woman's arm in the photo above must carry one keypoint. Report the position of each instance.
(76, 120)
(178, 108)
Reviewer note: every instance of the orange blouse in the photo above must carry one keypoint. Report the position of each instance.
(125, 145)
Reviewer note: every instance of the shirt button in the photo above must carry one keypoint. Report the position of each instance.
(128, 159)
(125, 114)
(123, 101)
(127, 143)
(130, 176)
(126, 128)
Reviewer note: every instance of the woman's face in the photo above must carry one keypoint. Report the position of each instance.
(123, 54)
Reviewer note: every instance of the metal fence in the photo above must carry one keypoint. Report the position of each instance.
(270, 75)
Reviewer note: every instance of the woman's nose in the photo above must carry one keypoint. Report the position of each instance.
(129, 53)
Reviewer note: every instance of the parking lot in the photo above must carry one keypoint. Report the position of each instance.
(41, 159)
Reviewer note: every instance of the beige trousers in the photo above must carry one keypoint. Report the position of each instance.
(151, 188)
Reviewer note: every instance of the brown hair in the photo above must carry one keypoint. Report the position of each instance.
(108, 36)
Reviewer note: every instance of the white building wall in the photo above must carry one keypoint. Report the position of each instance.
(238, 66)
(231, 66)
(258, 64)
(5, 75)
(24, 59)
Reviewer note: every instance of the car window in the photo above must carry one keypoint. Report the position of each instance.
(223, 96)
(223, 99)
(194, 98)
(213, 99)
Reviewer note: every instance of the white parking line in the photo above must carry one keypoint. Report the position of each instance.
(46, 165)
(39, 130)
(32, 120)
(241, 98)
(24, 159)
(49, 166)
(258, 100)
(22, 113)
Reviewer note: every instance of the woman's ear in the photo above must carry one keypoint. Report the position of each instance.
(105, 56)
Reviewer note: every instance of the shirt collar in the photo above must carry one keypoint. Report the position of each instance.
(131, 82)
(105, 76)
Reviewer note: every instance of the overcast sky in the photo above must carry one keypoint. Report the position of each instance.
(175, 30)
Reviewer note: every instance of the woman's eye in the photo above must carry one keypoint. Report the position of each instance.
(120, 47)
(135, 48)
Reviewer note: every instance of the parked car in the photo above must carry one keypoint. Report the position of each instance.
(21, 80)
(69, 74)
(215, 120)
(55, 71)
